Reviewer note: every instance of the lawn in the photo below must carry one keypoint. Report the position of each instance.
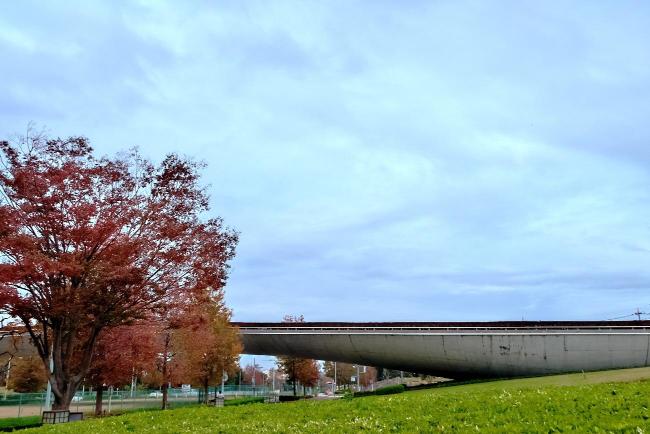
(580, 403)
(16, 422)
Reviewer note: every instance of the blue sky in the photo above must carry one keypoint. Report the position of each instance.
(382, 160)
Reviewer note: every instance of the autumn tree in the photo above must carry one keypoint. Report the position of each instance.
(172, 323)
(27, 375)
(209, 346)
(368, 376)
(195, 342)
(87, 244)
(253, 374)
(298, 369)
(308, 373)
(121, 354)
(344, 372)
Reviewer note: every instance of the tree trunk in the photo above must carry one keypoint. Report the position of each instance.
(63, 396)
(165, 392)
(206, 390)
(165, 385)
(98, 400)
(293, 374)
(64, 384)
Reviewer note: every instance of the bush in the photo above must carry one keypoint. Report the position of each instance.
(243, 401)
(12, 423)
(288, 398)
(27, 375)
(388, 390)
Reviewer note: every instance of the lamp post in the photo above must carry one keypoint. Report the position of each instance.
(358, 380)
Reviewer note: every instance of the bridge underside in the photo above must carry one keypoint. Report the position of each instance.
(460, 350)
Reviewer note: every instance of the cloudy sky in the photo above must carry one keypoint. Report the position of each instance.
(435, 160)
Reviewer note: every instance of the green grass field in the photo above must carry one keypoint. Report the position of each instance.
(17, 422)
(612, 401)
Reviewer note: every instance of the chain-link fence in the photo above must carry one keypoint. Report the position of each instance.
(117, 401)
(247, 390)
(32, 404)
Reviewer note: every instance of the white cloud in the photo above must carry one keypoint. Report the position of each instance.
(460, 161)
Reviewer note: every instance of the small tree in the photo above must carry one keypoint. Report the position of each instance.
(298, 369)
(253, 374)
(121, 354)
(368, 377)
(89, 243)
(308, 372)
(344, 372)
(209, 345)
(27, 375)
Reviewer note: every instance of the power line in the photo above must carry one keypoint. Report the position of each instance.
(636, 313)
(620, 317)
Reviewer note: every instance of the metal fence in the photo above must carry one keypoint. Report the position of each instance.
(117, 401)
(33, 404)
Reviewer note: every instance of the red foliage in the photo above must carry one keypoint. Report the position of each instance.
(122, 352)
(87, 244)
(254, 372)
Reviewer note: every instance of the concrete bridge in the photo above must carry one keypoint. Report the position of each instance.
(460, 349)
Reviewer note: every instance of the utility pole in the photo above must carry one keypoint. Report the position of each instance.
(254, 376)
(133, 382)
(7, 379)
(334, 377)
(48, 396)
(638, 314)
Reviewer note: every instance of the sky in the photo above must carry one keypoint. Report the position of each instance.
(383, 161)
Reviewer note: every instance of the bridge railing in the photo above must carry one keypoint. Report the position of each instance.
(440, 329)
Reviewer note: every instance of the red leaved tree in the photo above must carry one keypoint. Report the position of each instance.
(91, 243)
(122, 353)
(253, 374)
(174, 320)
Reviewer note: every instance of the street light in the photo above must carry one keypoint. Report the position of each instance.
(359, 376)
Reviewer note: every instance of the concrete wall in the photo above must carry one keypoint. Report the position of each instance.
(462, 354)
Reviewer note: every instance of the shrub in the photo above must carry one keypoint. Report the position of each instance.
(288, 398)
(27, 375)
(388, 390)
(243, 401)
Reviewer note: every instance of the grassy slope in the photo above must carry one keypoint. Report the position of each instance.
(531, 405)
(10, 422)
(613, 376)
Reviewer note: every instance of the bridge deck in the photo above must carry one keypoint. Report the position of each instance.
(460, 349)
(513, 326)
